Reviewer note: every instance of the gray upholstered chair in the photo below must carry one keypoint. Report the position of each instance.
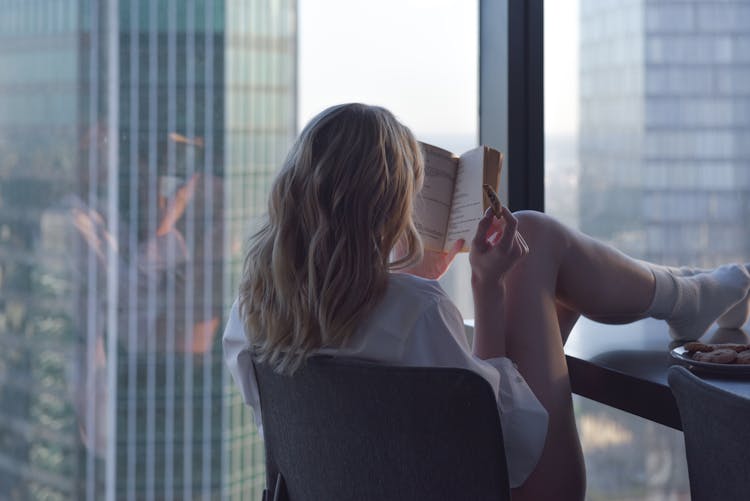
(716, 425)
(346, 430)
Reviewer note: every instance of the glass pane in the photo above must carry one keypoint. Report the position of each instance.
(416, 58)
(137, 141)
(647, 114)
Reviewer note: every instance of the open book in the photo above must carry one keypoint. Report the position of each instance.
(452, 200)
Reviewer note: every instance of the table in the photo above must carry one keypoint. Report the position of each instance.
(625, 366)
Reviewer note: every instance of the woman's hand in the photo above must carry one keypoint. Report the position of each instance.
(176, 206)
(434, 264)
(496, 248)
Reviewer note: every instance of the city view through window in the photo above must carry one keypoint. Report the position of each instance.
(138, 141)
(647, 116)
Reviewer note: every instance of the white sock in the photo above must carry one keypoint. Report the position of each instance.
(687, 271)
(682, 271)
(735, 317)
(691, 304)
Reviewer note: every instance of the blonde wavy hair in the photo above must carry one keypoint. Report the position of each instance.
(320, 262)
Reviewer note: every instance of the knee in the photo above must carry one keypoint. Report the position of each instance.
(532, 219)
(541, 230)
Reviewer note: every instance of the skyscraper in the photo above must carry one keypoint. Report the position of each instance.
(665, 118)
(137, 142)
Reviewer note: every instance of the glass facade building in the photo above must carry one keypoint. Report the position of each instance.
(138, 141)
(665, 120)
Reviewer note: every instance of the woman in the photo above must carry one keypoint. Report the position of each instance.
(337, 269)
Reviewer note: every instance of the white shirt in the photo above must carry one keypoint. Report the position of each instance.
(416, 324)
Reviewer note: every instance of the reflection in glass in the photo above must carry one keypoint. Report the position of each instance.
(125, 204)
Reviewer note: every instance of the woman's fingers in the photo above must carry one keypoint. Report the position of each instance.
(480, 238)
(509, 233)
(522, 243)
(512, 244)
(507, 240)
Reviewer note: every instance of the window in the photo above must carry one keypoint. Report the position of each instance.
(421, 64)
(137, 139)
(643, 127)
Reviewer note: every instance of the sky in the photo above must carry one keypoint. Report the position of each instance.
(561, 27)
(419, 59)
(416, 57)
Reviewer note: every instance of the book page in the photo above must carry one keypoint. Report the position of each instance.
(468, 205)
(433, 203)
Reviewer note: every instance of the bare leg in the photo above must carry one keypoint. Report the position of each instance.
(565, 273)
(566, 319)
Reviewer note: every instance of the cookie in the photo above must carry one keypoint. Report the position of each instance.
(696, 346)
(732, 346)
(743, 357)
(720, 356)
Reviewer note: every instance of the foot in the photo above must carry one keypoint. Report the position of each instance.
(704, 297)
(738, 314)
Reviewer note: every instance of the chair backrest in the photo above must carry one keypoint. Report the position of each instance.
(345, 430)
(716, 425)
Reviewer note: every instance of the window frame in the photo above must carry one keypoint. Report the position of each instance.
(511, 91)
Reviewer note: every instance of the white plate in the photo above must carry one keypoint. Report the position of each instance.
(681, 354)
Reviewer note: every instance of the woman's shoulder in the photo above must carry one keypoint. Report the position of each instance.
(415, 288)
(407, 301)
